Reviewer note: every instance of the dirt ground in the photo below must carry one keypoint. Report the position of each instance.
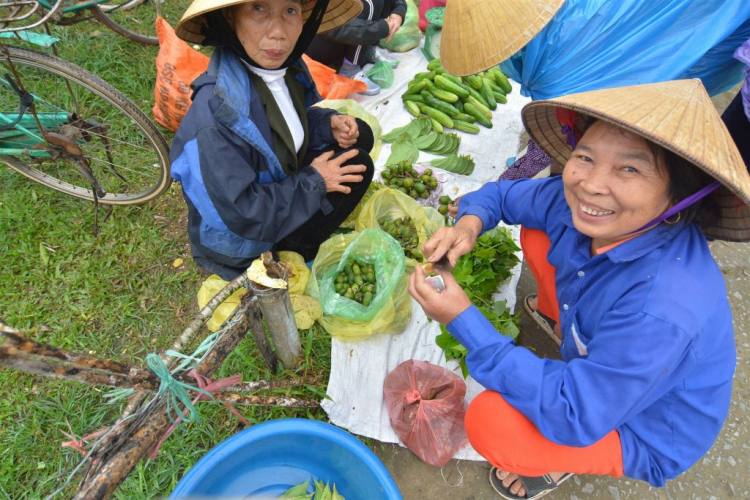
(722, 473)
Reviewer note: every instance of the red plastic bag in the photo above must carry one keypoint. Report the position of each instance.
(426, 5)
(426, 407)
(177, 65)
(330, 84)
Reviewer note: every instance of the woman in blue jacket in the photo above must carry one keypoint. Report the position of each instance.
(260, 167)
(648, 351)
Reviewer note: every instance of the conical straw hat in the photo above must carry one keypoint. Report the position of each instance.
(338, 13)
(479, 34)
(677, 115)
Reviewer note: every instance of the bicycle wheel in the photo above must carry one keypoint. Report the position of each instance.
(136, 21)
(86, 123)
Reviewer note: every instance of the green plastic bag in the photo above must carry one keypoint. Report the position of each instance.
(408, 35)
(389, 204)
(382, 74)
(353, 108)
(390, 309)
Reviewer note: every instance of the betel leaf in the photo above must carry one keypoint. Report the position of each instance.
(479, 273)
(403, 150)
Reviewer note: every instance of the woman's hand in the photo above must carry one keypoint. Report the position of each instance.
(394, 23)
(345, 130)
(453, 241)
(334, 174)
(443, 306)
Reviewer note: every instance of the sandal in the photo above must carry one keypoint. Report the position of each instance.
(536, 487)
(540, 319)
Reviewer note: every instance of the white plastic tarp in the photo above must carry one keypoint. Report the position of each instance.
(358, 369)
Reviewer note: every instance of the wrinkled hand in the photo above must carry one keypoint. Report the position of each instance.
(394, 23)
(334, 174)
(443, 306)
(453, 241)
(345, 130)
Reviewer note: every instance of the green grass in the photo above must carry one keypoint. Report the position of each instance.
(116, 295)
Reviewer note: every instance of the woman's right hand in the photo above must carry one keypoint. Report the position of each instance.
(334, 174)
(453, 241)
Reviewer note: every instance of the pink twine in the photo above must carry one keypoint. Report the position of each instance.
(207, 385)
(78, 444)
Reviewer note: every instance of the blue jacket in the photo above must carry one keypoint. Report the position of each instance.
(648, 344)
(240, 200)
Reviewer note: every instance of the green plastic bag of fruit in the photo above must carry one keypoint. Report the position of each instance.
(345, 319)
(388, 205)
(382, 74)
(408, 35)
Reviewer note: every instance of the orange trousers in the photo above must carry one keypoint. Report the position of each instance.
(511, 442)
(535, 245)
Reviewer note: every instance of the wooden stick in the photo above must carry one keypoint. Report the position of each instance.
(259, 334)
(110, 466)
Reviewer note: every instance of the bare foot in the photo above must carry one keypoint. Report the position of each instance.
(515, 485)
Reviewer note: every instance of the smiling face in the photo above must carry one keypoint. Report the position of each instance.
(267, 29)
(614, 184)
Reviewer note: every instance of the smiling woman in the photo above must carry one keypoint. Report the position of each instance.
(648, 351)
(261, 168)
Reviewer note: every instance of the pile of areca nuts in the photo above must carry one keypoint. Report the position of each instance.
(357, 282)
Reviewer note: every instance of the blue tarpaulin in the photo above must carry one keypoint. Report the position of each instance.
(596, 44)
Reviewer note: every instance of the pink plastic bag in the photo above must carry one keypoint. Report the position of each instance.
(426, 407)
(426, 5)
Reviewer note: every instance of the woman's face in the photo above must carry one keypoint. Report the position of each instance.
(614, 184)
(268, 29)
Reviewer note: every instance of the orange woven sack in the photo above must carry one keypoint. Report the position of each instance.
(177, 65)
(330, 84)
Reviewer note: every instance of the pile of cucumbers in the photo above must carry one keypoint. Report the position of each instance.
(357, 282)
(456, 102)
(405, 232)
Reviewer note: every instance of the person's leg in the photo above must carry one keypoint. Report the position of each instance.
(535, 245)
(354, 59)
(511, 442)
(306, 239)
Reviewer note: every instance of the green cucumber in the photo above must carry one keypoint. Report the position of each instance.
(450, 86)
(477, 114)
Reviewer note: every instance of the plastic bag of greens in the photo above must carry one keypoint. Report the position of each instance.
(408, 35)
(353, 108)
(387, 205)
(382, 74)
(346, 319)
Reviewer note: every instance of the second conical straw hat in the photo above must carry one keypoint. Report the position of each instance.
(676, 115)
(479, 34)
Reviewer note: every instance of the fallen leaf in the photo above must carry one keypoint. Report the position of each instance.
(177, 262)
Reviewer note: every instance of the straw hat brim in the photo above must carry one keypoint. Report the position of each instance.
(479, 34)
(338, 13)
(696, 134)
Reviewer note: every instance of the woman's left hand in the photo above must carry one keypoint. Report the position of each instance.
(443, 306)
(345, 130)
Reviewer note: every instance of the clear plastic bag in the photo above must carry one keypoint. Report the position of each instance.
(426, 407)
(388, 204)
(390, 309)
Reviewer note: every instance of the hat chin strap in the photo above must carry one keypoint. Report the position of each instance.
(693, 198)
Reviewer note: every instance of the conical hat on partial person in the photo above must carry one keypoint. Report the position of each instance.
(479, 34)
(338, 13)
(676, 115)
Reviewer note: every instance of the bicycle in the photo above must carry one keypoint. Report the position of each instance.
(73, 132)
(122, 17)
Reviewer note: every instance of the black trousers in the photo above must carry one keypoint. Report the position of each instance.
(307, 238)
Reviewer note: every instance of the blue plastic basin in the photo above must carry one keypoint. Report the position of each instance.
(268, 459)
